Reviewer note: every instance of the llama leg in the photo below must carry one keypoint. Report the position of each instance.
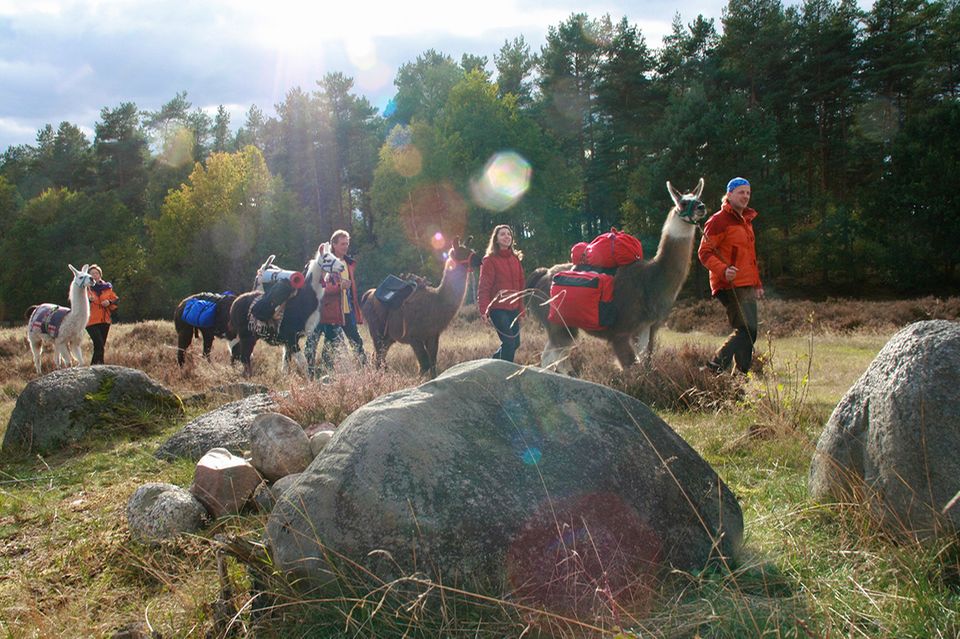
(556, 352)
(294, 354)
(420, 350)
(234, 345)
(380, 348)
(207, 342)
(36, 349)
(623, 348)
(184, 338)
(246, 350)
(381, 352)
(432, 344)
(643, 343)
(77, 355)
(60, 357)
(647, 346)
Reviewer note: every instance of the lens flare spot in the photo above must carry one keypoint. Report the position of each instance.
(531, 456)
(390, 109)
(407, 161)
(362, 52)
(438, 241)
(504, 180)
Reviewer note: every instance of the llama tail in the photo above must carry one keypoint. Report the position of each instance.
(30, 311)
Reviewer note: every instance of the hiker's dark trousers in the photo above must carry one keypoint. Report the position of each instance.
(741, 306)
(98, 333)
(333, 335)
(508, 328)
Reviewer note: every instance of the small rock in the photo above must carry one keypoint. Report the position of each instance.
(158, 511)
(278, 446)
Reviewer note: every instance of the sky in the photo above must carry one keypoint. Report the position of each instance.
(66, 60)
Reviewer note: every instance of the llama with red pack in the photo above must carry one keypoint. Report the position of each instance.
(624, 306)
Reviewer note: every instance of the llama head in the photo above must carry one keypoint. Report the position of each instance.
(327, 261)
(81, 278)
(462, 254)
(688, 206)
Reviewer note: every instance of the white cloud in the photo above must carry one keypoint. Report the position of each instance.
(63, 58)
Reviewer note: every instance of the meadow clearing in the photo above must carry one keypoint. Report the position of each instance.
(68, 567)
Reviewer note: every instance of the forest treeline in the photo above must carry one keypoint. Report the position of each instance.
(847, 123)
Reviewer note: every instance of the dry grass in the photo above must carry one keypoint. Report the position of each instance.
(782, 318)
(68, 567)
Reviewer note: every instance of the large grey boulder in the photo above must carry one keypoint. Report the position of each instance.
(225, 427)
(504, 479)
(65, 406)
(893, 441)
(160, 511)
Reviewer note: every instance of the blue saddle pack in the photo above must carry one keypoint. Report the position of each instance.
(200, 313)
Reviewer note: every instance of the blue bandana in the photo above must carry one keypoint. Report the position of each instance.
(735, 182)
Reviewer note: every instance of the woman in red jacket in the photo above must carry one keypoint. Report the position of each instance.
(498, 299)
(729, 253)
(103, 301)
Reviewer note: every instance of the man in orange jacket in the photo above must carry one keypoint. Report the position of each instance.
(728, 251)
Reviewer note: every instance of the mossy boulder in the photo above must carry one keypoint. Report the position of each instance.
(69, 405)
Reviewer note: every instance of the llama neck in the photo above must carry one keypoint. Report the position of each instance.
(79, 307)
(453, 286)
(671, 264)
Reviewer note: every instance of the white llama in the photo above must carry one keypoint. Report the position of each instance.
(61, 326)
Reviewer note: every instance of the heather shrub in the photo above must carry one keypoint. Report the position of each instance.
(677, 380)
(342, 393)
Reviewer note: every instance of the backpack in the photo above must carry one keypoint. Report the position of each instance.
(582, 299)
(613, 249)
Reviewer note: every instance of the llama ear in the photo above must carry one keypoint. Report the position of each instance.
(675, 195)
(697, 191)
(268, 263)
(73, 269)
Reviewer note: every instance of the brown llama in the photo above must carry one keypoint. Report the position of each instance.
(643, 293)
(423, 315)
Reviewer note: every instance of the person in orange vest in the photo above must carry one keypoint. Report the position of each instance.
(498, 290)
(728, 251)
(103, 302)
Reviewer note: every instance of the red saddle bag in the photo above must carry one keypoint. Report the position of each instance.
(613, 249)
(582, 299)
